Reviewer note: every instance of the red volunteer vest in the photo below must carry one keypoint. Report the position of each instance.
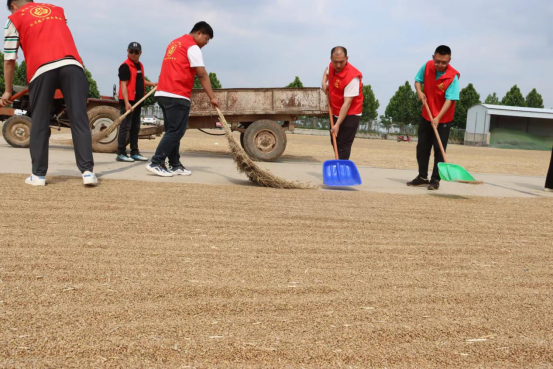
(131, 86)
(337, 82)
(44, 35)
(435, 91)
(177, 76)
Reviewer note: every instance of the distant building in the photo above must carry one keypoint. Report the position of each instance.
(482, 120)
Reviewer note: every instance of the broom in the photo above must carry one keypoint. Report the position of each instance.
(103, 134)
(245, 165)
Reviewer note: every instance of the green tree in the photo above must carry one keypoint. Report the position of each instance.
(404, 107)
(534, 100)
(492, 99)
(92, 85)
(215, 83)
(468, 98)
(150, 100)
(20, 77)
(514, 98)
(386, 122)
(370, 104)
(296, 84)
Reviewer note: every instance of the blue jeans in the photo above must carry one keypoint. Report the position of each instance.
(175, 117)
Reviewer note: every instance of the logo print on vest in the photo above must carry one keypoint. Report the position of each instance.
(337, 83)
(171, 50)
(441, 86)
(41, 12)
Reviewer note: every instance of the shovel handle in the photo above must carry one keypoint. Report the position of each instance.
(436, 132)
(331, 116)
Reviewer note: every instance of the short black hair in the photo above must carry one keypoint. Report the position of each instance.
(204, 28)
(443, 50)
(12, 1)
(334, 49)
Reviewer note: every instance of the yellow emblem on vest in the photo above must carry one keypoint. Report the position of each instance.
(337, 83)
(41, 11)
(441, 86)
(171, 50)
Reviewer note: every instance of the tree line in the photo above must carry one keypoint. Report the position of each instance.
(405, 108)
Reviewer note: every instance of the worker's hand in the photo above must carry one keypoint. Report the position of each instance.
(128, 106)
(336, 129)
(422, 97)
(324, 88)
(155, 84)
(6, 99)
(435, 122)
(215, 103)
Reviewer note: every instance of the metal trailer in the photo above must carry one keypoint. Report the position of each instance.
(261, 115)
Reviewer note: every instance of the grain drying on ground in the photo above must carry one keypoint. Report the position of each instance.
(134, 274)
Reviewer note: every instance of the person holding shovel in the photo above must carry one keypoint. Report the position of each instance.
(132, 88)
(343, 82)
(183, 61)
(441, 91)
(549, 179)
(53, 62)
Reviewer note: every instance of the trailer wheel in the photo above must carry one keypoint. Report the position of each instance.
(17, 131)
(101, 118)
(265, 141)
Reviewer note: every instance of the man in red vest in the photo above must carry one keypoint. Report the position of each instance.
(182, 62)
(132, 88)
(53, 62)
(549, 178)
(441, 91)
(344, 83)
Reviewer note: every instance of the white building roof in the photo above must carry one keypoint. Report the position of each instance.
(516, 111)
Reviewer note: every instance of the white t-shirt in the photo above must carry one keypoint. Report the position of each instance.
(196, 60)
(352, 89)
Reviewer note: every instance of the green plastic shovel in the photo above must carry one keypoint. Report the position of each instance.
(450, 172)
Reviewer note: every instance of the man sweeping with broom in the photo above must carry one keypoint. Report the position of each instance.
(441, 91)
(183, 61)
(53, 62)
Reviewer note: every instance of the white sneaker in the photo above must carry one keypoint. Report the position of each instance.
(89, 179)
(159, 170)
(180, 171)
(548, 189)
(36, 181)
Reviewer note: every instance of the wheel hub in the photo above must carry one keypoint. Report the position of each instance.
(265, 141)
(101, 125)
(21, 131)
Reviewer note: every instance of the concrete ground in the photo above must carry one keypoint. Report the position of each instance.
(219, 169)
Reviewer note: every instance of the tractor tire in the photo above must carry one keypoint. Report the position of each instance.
(101, 118)
(17, 131)
(265, 141)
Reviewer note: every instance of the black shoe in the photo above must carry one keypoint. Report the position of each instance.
(418, 182)
(434, 185)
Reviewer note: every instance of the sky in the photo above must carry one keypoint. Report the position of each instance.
(266, 43)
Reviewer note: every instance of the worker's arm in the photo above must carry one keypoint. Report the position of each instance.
(9, 72)
(343, 114)
(125, 94)
(324, 85)
(446, 107)
(203, 76)
(151, 84)
(421, 95)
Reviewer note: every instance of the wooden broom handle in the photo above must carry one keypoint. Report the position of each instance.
(332, 126)
(436, 132)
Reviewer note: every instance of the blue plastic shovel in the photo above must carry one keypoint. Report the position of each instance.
(339, 172)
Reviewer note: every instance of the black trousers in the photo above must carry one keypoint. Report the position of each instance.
(549, 179)
(427, 140)
(74, 86)
(175, 116)
(346, 135)
(129, 127)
